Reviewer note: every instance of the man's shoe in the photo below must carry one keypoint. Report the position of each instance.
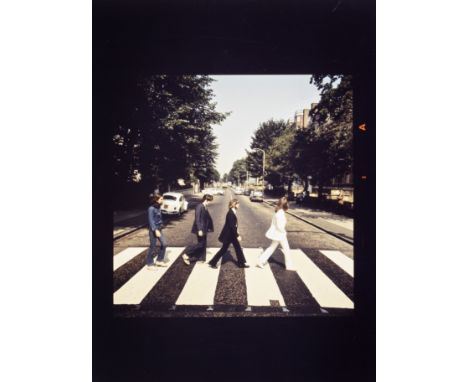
(161, 264)
(244, 265)
(151, 267)
(212, 266)
(186, 259)
(261, 265)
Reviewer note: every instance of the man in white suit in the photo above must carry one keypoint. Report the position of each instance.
(277, 234)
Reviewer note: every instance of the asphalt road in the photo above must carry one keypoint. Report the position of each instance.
(305, 292)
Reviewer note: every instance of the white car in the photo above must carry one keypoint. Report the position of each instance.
(256, 196)
(174, 203)
(238, 191)
(220, 191)
(209, 191)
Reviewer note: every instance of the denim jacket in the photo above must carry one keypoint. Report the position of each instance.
(154, 218)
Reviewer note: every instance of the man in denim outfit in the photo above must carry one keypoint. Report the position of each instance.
(155, 224)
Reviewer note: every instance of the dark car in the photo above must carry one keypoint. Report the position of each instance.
(300, 198)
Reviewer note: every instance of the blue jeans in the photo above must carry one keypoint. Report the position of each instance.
(152, 248)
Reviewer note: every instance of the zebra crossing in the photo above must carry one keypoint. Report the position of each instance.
(322, 282)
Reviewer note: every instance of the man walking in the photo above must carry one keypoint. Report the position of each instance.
(201, 226)
(230, 236)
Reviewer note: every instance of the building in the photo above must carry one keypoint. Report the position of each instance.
(302, 117)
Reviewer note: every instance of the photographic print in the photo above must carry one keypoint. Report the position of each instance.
(233, 196)
(233, 191)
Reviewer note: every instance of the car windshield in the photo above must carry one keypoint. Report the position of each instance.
(169, 197)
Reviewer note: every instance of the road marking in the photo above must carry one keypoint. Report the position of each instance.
(261, 283)
(126, 255)
(200, 287)
(340, 259)
(327, 294)
(135, 289)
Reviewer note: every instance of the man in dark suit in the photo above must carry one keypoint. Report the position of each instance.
(230, 236)
(201, 226)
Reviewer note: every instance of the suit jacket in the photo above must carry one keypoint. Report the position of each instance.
(277, 230)
(203, 221)
(229, 231)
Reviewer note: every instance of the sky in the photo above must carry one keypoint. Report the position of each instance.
(253, 99)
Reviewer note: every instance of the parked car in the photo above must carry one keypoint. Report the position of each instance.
(238, 191)
(174, 203)
(300, 197)
(247, 192)
(256, 196)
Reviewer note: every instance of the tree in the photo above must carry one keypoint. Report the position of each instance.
(263, 138)
(280, 160)
(324, 148)
(164, 132)
(238, 172)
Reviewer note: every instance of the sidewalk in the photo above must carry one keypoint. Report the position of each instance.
(124, 215)
(339, 225)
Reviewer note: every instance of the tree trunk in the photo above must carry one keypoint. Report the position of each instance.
(290, 182)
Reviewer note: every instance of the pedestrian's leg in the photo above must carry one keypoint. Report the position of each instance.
(196, 250)
(239, 253)
(268, 252)
(191, 249)
(288, 263)
(219, 254)
(162, 249)
(152, 248)
(203, 249)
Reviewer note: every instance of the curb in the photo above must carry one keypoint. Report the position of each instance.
(349, 241)
(121, 235)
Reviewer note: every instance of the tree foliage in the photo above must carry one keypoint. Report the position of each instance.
(164, 132)
(263, 138)
(324, 148)
(238, 172)
(280, 159)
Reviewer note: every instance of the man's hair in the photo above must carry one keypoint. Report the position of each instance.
(153, 199)
(232, 203)
(207, 197)
(282, 204)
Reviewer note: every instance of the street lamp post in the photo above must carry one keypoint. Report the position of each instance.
(263, 168)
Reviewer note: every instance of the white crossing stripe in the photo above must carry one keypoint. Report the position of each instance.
(327, 294)
(126, 255)
(135, 289)
(340, 259)
(200, 287)
(261, 283)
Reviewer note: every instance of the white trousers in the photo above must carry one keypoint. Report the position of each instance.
(269, 251)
